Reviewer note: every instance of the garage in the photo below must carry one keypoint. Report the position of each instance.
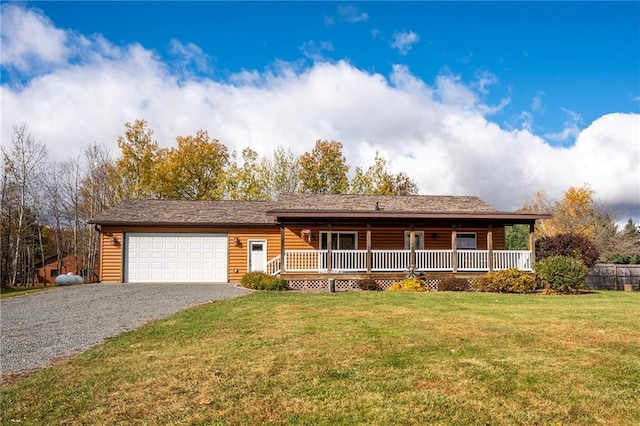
(175, 257)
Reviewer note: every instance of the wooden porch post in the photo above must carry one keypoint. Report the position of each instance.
(369, 255)
(532, 242)
(412, 249)
(490, 247)
(282, 250)
(454, 248)
(329, 248)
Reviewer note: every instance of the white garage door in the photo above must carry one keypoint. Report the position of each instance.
(174, 257)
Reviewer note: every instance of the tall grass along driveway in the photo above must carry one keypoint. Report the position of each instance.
(356, 358)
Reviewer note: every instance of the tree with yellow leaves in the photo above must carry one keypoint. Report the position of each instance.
(135, 168)
(195, 170)
(249, 181)
(575, 213)
(378, 181)
(324, 169)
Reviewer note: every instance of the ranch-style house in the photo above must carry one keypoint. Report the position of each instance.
(307, 237)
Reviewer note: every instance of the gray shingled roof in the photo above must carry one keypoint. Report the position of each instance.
(384, 203)
(182, 212)
(172, 212)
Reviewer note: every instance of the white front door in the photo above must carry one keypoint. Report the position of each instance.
(257, 255)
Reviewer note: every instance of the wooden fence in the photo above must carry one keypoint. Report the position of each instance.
(614, 277)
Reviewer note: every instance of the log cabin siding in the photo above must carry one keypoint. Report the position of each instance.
(382, 238)
(239, 254)
(392, 238)
(111, 254)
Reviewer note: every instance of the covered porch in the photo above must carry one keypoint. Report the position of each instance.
(407, 261)
(367, 235)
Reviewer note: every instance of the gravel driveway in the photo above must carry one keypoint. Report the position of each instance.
(40, 327)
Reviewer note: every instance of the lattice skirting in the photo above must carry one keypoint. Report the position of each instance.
(322, 285)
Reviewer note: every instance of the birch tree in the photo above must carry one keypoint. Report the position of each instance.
(283, 172)
(23, 163)
(249, 180)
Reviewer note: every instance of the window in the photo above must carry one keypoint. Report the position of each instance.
(466, 241)
(418, 240)
(340, 240)
(53, 273)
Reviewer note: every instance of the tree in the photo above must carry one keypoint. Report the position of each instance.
(626, 245)
(517, 237)
(250, 181)
(605, 236)
(195, 170)
(574, 214)
(23, 245)
(539, 203)
(576, 246)
(283, 172)
(136, 166)
(378, 181)
(97, 191)
(324, 169)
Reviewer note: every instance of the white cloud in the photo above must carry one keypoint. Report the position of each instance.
(485, 78)
(28, 39)
(403, 41)
(188, 56)
(350, 13)
(439, 133)
(571, 128)
(536, 102)
(315, 51)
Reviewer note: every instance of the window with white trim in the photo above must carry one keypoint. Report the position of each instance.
(466, 241)
(418, 240)
(339, 240)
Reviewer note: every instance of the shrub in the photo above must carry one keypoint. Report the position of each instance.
(368, 284)
(408, 284)
(262, 281)
(572, 245)
(561, 274)
(506, 281)
(453, 284)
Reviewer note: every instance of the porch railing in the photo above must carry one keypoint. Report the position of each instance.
(399, 261)
(505, 259)
(274, 266)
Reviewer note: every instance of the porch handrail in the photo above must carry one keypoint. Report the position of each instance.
(473, 260)
(348, 260)
(505, 259)
(399, 260)
(273, 266)
(434, 260)
(305, 260)
(390, 260)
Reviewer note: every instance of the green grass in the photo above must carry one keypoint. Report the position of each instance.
(20, 291)
(356, 358)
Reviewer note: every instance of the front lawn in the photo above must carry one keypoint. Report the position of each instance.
(356, 358)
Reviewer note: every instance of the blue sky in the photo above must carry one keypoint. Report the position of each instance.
(556, 60)
(513, 85)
